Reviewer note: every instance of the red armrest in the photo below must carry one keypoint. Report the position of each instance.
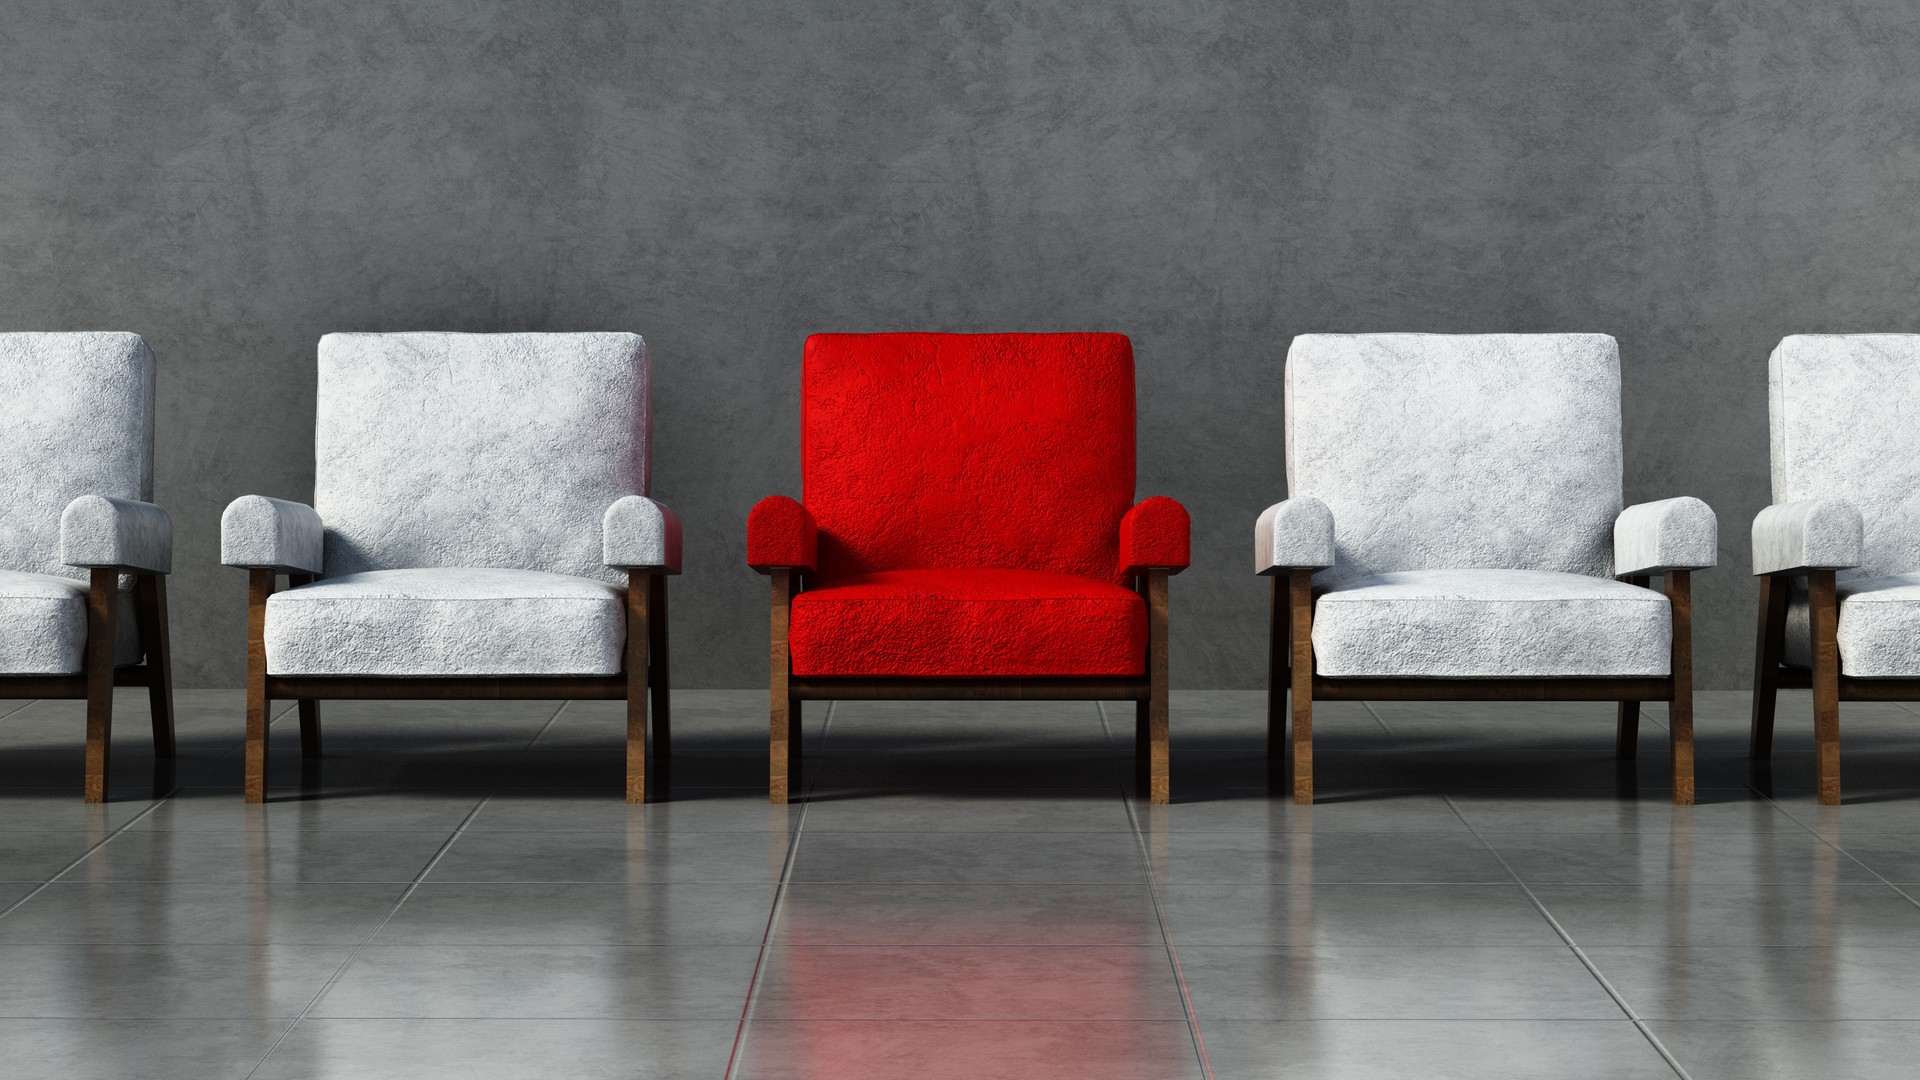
(1157, 534)
(781, 535)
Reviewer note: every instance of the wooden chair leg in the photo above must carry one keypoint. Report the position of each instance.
(782, 709)
(1626, 738)
(639, 630)
(1278, 643)
(1159, 783)
(1824, 607)
(1300, 605)
(1679, 585)
(658, 678)
(1769, 645)
(103, 594)
(150, 602)
(259, 587)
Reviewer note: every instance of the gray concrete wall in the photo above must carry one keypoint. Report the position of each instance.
(235, 179)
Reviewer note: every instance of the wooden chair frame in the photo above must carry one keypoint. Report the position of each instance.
(98, 675)
(646, 678)
(1291, 678)
(1148, 692)
(1829, 686)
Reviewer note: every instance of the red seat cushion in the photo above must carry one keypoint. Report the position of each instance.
(968, 624)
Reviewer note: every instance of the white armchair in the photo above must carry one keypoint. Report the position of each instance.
(480, 529)
(84, 554)
(1838, 555)
(1455, 531)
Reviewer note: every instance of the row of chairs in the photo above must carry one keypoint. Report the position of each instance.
(481, 528)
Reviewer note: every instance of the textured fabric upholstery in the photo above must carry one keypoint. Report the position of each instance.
(1879, 631)
(1007, 451)
(43, 625)
(1296, 534)
(969, 623)
(97, 531)
(257, 531)
(641, 533)
(1497, 451)
(969, 509)
(76, 418)
(1671, 534)
(1845, 434)
(76, 423)
(480, 450)
(447, 622)
(1157, 534)
(1490, 624)
(781, 535)
(1845, 424)
(1809, 533)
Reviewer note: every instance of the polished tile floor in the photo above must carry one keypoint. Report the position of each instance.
(967, 891)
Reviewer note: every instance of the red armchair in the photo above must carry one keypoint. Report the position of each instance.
(968, 533)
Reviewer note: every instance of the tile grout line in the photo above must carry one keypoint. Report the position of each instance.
(1166, 939)
(773, 919)
(85, 855)
(21, 706)
(412, 887)
(1378, 719)
(1817, 835)
(1640, 1025)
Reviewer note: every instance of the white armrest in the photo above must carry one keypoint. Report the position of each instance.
(1293, 535)
(261, 533)
(639, 533)
(100, 532)
(1671, 534)
(1814, 533)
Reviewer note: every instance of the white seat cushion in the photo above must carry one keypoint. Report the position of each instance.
(1490, 624)
(1879, 627)
(447, 621)
(43, 625)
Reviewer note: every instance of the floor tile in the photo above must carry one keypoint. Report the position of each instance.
(1259, 811)
(282, 855)
(608, 856)
(180, 913)
(1890, 855)
(578, 982)
(161, 982)
(1720, 810)
(1267, 914)
(991, 769)
(1393, 983)
(1811, 983)
(1803, 914)
(41, 854)
(950, 914)
(686, 810)
(966, 982)
(576, 914)
(1301, 858)
(1769, 858)
(970, 726)
(29, 809)
(1799, 1050)
(969, 858)
(967, 1050)
(1431, 1050)
(1073, 810)
(500, 1049)
(221, 809)
(114, 1049)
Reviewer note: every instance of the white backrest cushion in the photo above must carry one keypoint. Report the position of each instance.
(1845, 424)
(76, 418)
(497, 450)
(1472, 451)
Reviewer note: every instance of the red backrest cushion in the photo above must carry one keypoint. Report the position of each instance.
(1006, 451)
